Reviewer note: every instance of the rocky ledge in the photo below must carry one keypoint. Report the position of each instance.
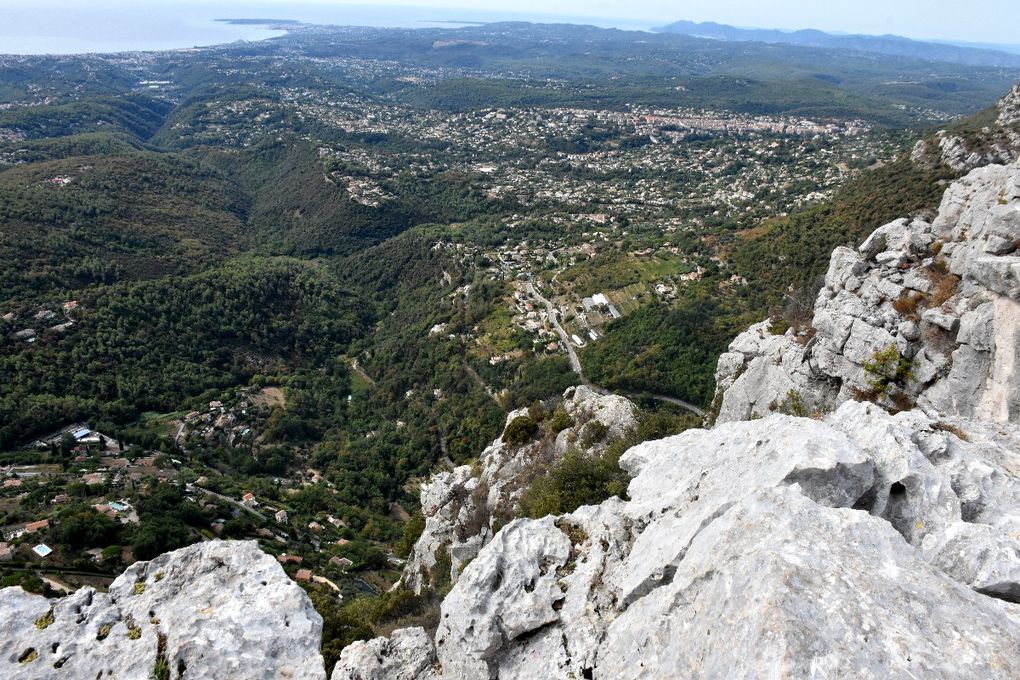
(998, 142)
(221, 609)
(866, 544)
(922, 313)
(463, 508)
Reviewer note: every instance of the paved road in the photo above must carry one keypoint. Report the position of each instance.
(575, 363)
(553, 315)
(673, 400)
(228, 499)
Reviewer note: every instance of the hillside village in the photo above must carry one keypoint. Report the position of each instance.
(100, 478)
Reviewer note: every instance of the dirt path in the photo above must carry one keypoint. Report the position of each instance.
(361, 373)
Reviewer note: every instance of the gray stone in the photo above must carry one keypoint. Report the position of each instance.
(224, 608)
(782, 547)
(939, 318)
(517, 574)
(408, 654)
(858, 313)
(962, 389)
(979, 556)
(1009, 108)
(914, 280)
(927, 367)
(892, 258)
(778, 586)
(461, 507)
(909, 330)
(977, 328)
(865, 340)
(1000, 245)
(843, 265)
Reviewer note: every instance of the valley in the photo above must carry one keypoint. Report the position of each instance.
(274, 286)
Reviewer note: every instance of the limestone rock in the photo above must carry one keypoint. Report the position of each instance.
(760, 370)
(462, 506)
(517, 573)
(1009, 108)
(408, 654)
(996, 143)
(945, 296)
(223, 609)
(781, 547)
(778, 586)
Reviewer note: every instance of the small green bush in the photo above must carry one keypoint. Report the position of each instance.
(412, 530)
(575, 480)
(560, 421)
(521, 430)
(887, 369)
(793, 405)
(44, 621)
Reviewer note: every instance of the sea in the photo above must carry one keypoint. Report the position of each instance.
(69, 27)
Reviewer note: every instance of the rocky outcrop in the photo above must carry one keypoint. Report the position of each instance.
(922, 313)
(964, 151)
(463, 507)
(407, 655)
(1009, 108)
(782, 547)
(221, 609)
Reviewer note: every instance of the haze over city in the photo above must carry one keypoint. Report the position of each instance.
(983, 21)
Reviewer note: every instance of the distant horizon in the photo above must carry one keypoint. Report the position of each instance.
(921, 20)
(54, 27)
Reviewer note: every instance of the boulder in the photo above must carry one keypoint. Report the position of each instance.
(219, 609)
(408, 654)
(780, 547)
(780, 587)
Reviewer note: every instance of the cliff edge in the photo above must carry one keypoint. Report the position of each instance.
(922, 314)
(783, 547)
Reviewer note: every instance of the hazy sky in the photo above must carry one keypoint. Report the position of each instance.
(970, 20)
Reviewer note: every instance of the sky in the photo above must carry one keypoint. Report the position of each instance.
(984, 21)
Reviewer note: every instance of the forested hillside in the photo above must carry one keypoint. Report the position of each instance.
(152, 345)
(296, 277)
(112, 216)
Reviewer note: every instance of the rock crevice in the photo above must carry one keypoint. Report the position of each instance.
(221, 609)
(782, 547)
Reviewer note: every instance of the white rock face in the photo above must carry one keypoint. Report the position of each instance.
(221, 609)
(1009, 108)
(461, 507)
(945, 296)
(866, 544)
(999, 143)
(407, 655)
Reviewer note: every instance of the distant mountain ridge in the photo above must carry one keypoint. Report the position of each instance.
(878, 44)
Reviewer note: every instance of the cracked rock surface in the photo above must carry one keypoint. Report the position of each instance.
(866, 543)
(944, 296)
(219, 609)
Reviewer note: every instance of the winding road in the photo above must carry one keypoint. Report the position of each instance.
(575, 363)
(553, 315)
